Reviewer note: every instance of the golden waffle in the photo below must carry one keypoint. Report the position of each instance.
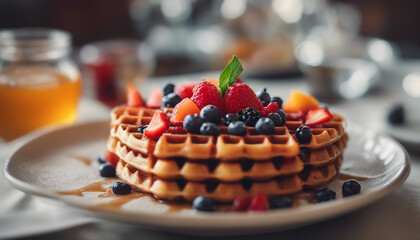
(219, 191)
(233, 171)
(317, 176)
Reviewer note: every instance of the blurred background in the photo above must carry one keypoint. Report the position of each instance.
(130, 40)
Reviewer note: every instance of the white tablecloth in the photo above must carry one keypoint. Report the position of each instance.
(397, 216)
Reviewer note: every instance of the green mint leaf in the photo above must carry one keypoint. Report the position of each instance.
(229, 75)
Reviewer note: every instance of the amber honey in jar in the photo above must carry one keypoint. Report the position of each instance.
(39, 83)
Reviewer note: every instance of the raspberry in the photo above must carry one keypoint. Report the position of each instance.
(273, 107)
(259, 203)
(206, 93)
(185, 90)
(241, 204)
(240, 96)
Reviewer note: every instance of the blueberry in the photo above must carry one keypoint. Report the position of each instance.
(107, 170)
(209, 128)
(263, 96)
(303, 134)
(280, 202)
(121, 188)
(324, 194)
(101, 160)
(350, 187)
(205, 204)
(141, 129)
(278, 100)
(171, 100)
(192, 123)
(237, 128)
(396, 115)
(282, 114)
(168, 88)
(264, 126)
(210, 113)
(230, 117)
(277, 119)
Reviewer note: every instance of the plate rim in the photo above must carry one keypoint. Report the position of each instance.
(297, 216)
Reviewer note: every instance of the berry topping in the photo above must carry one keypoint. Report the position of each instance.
(101, 160)
(303, 134)
(396, 115)
(350, 187)
(106, 170)
(282, 115)
(230, 117)
(300, 102)
(277, 119)
(271, 108)
(168, 88)
(171, 100)
(157, 126)
(185, 90)
(121, 188)
(209, 128)
(141, 129)
(182, 109)
(250, 116)
(210, 113)
(317, 116)
(155, 99)
(241, 204)
(240, 96)
(192, 123)
(264, 126)
(134, 99)
(237, 128)
(277, 100)
(177, 130)
(263, 96)
(280, 202)
(206, 93)
(296, 115)
(324, 194)
(111, 158)
(205, 204)
(259, 203)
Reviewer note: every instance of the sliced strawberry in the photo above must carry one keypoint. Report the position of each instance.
(295, 115)
(111, 158)
(272, 107)
(259, 203)
(317, 116)
(185, 90)
(134, 98)
(177, 130)
(157, 126)
(182, 109)
(155, 98)
(241, 204)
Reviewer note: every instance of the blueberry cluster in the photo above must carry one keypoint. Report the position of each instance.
(324, 194)
(265, 98)
(105, 169)
(170, 99)
(205, 124)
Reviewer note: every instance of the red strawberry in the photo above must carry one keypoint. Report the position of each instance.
(111, 158)
(185, 90)
(206, 93)
(240, 96)
(317, 116)
(259, 203)
(272, 107)
(182, 109)
(155, 98)
(295, 115)
(157, 126)
(241, 204)
(134, 98)
(239, 80)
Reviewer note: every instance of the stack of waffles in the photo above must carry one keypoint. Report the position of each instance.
(181, 165)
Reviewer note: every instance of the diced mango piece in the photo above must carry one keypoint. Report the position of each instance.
(300, 102)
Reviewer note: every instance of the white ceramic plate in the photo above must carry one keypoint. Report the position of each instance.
(43, 166)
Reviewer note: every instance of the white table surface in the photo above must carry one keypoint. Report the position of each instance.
(397, 216)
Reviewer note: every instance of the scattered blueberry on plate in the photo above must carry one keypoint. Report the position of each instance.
(350, 187)
(280, 202)
(121, 188)
(107, 170)
(204, 204)
(324, 194)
